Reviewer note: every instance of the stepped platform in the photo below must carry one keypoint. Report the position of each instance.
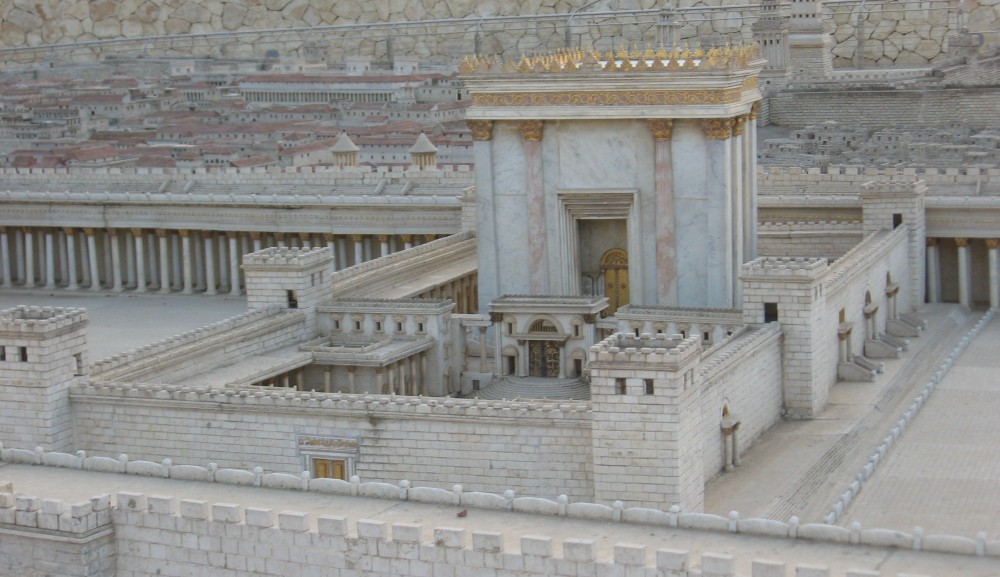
(536, 388)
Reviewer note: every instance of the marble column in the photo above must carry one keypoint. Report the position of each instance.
(383, 245)
(186, 262)
(666, 234)
(5, 258)
(209, 265)
(140, 260)
(29, 258)
(341, 255)
(991, 245)
(63, 256)
(351, 383)
(130, 278)
(422, 385)
(964, 273)
(331, 245)
(72, 282)
(50, 261)
(164, 240)
(482, 350)
(234, 265)
(116, 261)
(95, 278)
(721, 267)
(750, 159)
(407, 241)
(152, 258)
(531, 134)
(255, 236)
(222, 252)
(358, 240)
(933, 271)
(379, 381)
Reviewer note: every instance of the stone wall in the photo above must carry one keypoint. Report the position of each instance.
(534, 448)
(904, 33)
(815, 239)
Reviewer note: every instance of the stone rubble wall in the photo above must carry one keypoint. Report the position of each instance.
(903, 33)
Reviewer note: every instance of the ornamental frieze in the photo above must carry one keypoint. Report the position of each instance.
(609, 98)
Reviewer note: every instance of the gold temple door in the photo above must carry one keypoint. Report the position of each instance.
(543, 359)
(614, 269)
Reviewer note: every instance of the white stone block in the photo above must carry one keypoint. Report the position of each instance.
(717, 565)
(536, 545)
(330, 525)
(161, 504)
(406, 532)
(293, 521)
(488, 541)
(812, 571)
(227, 513)
(131, 501)
(370, 529)
(579, 550)
(449, 537)
(257, 517)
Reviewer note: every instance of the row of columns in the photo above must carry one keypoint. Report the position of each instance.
(463, 290)
(162, 259)
(963, 250)
(407, 376)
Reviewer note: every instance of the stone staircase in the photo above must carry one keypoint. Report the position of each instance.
(536, 388)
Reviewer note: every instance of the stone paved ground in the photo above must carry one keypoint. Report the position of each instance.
(944, 472)
(119, 322)
(801, 467)
(73, 486)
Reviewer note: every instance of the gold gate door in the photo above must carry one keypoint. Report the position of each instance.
(543, 359)
(614, 269)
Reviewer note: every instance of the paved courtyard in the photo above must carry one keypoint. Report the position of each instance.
(120, 322)
(944, 472)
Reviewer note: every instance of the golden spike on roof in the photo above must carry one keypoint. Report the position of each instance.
(649, 54)
(662, 54)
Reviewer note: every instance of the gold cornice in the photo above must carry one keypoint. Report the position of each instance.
(481, 129)
(609, 98)
(662, 128)
(755, 110)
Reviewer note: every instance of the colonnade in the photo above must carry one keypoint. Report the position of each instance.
(406, 376)
(163, 260)
(463, 291)
(964, 252)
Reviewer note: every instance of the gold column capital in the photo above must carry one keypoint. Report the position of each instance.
(481, 129)
(718, 128)
(931, 241)
(992, 243)
(662, 128)
(383, 238)
(961, 242)
(68, 231)
(185, 233)
(740, 125)
(429, 237)
(407, 237)
(328, 237)
(754, 111)
(112, 231)
(162, 232)
(136, 231)
(531, 130)
(254, 234)
(88, 231)
(357, 237)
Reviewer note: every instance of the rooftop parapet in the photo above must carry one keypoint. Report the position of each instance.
(26, 321)
(648, 60)
(772, 266)
(287, 257)
(663, 351)
(894, 187)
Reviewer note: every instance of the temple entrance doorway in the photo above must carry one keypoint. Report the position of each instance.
(543, 359)
(614, 271)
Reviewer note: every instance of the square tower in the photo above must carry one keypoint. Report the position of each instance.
(290, 278)
(646, 421)
(43, 352)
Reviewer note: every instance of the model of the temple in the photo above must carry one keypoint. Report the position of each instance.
(611, 263)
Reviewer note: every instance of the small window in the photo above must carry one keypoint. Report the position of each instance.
(620, 386)
(705, 336)
(510, 328)
(770, 312)
(399, 327)
(420, 327)
(3, 353)
(649, 386)
(293, 301)
(357, 326)
(475, 384)
(378, 326)
(897, 219)
(23, 354)
(576, 330)
(636, 331)
(78, 357)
